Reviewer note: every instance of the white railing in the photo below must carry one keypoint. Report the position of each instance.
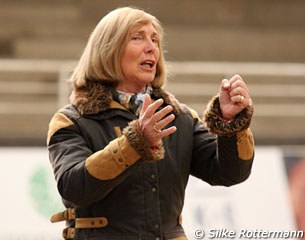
(225, 69)
(248, 68)
(280, 106)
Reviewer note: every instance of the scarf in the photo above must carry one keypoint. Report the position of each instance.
(133, 102)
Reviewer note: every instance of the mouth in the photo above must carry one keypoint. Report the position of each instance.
(148, 64)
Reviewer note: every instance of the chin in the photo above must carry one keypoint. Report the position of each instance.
(147, 80)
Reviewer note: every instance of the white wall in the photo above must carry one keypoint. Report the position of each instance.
(29, 197)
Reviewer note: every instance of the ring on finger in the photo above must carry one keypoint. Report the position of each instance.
(242, 98)
(156, 129)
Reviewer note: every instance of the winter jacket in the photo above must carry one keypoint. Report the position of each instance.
(107, 173)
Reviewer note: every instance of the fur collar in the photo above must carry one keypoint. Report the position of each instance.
(96, 97)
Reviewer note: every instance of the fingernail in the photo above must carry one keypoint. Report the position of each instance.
(226, 84)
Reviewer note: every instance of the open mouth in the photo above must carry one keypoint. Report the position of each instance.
(148, 63)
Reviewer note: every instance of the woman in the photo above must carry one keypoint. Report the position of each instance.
(123, 150)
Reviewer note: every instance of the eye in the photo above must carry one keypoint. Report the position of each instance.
(136, 37)
(155, 41)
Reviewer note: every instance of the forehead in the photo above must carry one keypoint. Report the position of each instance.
(148, 28)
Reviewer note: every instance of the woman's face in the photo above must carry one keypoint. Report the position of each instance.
(139, 59)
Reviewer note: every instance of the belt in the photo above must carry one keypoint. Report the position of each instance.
(80, 223)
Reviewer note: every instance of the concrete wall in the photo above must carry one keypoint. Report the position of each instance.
(203, 30)
(197, 30)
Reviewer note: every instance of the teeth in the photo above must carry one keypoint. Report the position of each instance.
(148, 63)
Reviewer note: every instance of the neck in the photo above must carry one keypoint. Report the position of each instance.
(130, 89)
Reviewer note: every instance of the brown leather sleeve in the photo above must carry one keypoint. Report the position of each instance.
(112, 160)
(58, 121)
(245, 144)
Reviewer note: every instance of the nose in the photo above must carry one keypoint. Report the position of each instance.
(150, 46)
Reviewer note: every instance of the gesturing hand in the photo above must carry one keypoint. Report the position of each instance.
(234, 97)
(152, 123)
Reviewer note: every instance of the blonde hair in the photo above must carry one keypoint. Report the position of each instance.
(101, 57)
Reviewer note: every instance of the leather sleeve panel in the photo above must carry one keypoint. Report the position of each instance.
(114, 159)
(245, 144)
(58, 122)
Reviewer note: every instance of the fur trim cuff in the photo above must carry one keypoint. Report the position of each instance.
(217, 125)
(140, 144)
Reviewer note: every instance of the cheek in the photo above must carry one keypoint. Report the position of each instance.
(133, 51)
(132, 60)
(130, 53)
(157, 54)
(128, 61)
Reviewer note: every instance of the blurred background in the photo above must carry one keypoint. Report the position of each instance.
(206, 41)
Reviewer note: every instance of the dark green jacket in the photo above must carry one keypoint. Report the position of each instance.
(105, 168)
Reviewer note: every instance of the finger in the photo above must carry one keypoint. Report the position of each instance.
(164, 122)
(168, 131)
(239, 83)
(146, 103)
(235, 78)
(239, 91)
(236, 98)
(236, 81)
(240, 99)
(162, 113)
(225, 84)
(152, 108)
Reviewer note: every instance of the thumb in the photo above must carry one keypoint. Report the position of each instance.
(225, 85)
(146, 103)
(224, 95)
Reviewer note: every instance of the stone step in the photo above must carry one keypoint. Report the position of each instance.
(212, 13)
(49, 48)
(28, 108)
(29, 96)
(256, 90)
(203, 32)
(274, 123)
(27, 13)
(256, 72)
(266, 110)
(267, 14)
(69, 30)
(23, 77)
(261, 79)
(224, 44)
(203, 100)
(24, 129)
(20, 87)
(25, 122)
(194, 44)
(278, 130)
(34, 66)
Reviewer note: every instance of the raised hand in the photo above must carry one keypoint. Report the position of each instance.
(152, 122)
(234, 97)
